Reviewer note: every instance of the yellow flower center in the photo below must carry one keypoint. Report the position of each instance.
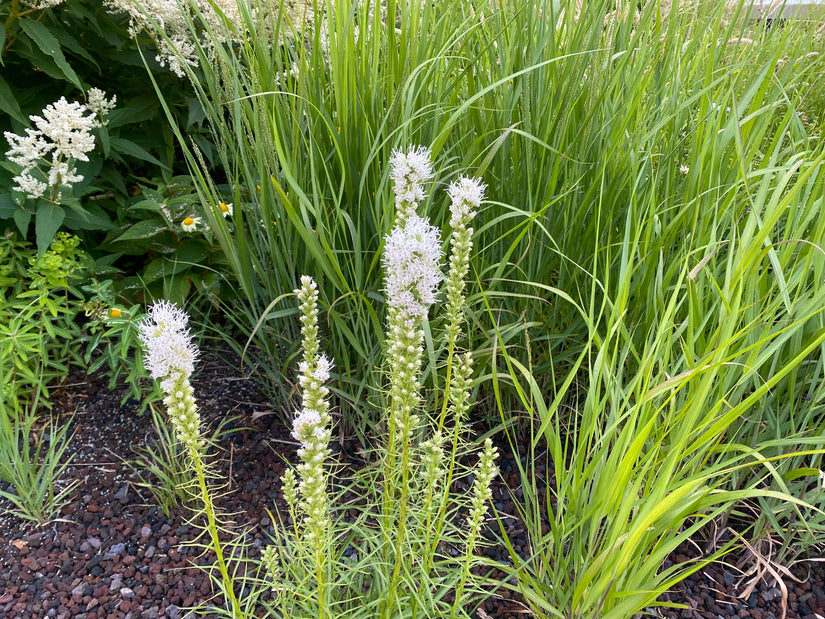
(188, 221)
(224, 208)
(115, 313)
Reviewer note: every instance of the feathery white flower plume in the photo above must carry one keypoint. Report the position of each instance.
(170, 351)
(411, 259)
(409, 171)
(466, 195)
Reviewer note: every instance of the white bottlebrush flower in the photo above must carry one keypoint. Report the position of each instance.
(466, 195)
(170, 359)
(412, 253)
(170, 351)
(190, 224)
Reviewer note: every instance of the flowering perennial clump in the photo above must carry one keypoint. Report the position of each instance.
(403, 539)
(62, 135)
(169, 23)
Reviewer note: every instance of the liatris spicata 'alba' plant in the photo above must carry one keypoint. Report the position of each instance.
(413, 510)
(170, 358)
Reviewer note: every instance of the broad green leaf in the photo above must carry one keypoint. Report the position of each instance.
(142, 230)
(178, 289)
(196, 112)
(89, 217)
(22, 217)
(153, 270)
(8, 207)
(47, 222)
(127, 147)
(191, 253)
(135, 110)
(67, 41)
(8, 103)
(49, 45)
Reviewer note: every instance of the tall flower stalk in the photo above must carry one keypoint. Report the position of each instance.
(311, 426)
(306, 494)
(170, 358)
(412, 253)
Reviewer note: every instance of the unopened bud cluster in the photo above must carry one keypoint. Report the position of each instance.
(311, 425)
(485, 471)
(466, 195)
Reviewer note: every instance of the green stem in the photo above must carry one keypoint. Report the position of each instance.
(442, 512)
(402, 515)
(212, 528)
(319, 575)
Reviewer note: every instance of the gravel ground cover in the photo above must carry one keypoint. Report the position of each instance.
(112, 553)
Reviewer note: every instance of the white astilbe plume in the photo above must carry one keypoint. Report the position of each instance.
(42, 4)
(61, 134)
(412, 253)
(67, 126)
(410, 170)
(98, 104)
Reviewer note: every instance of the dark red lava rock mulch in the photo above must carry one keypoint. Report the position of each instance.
(113, 554)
